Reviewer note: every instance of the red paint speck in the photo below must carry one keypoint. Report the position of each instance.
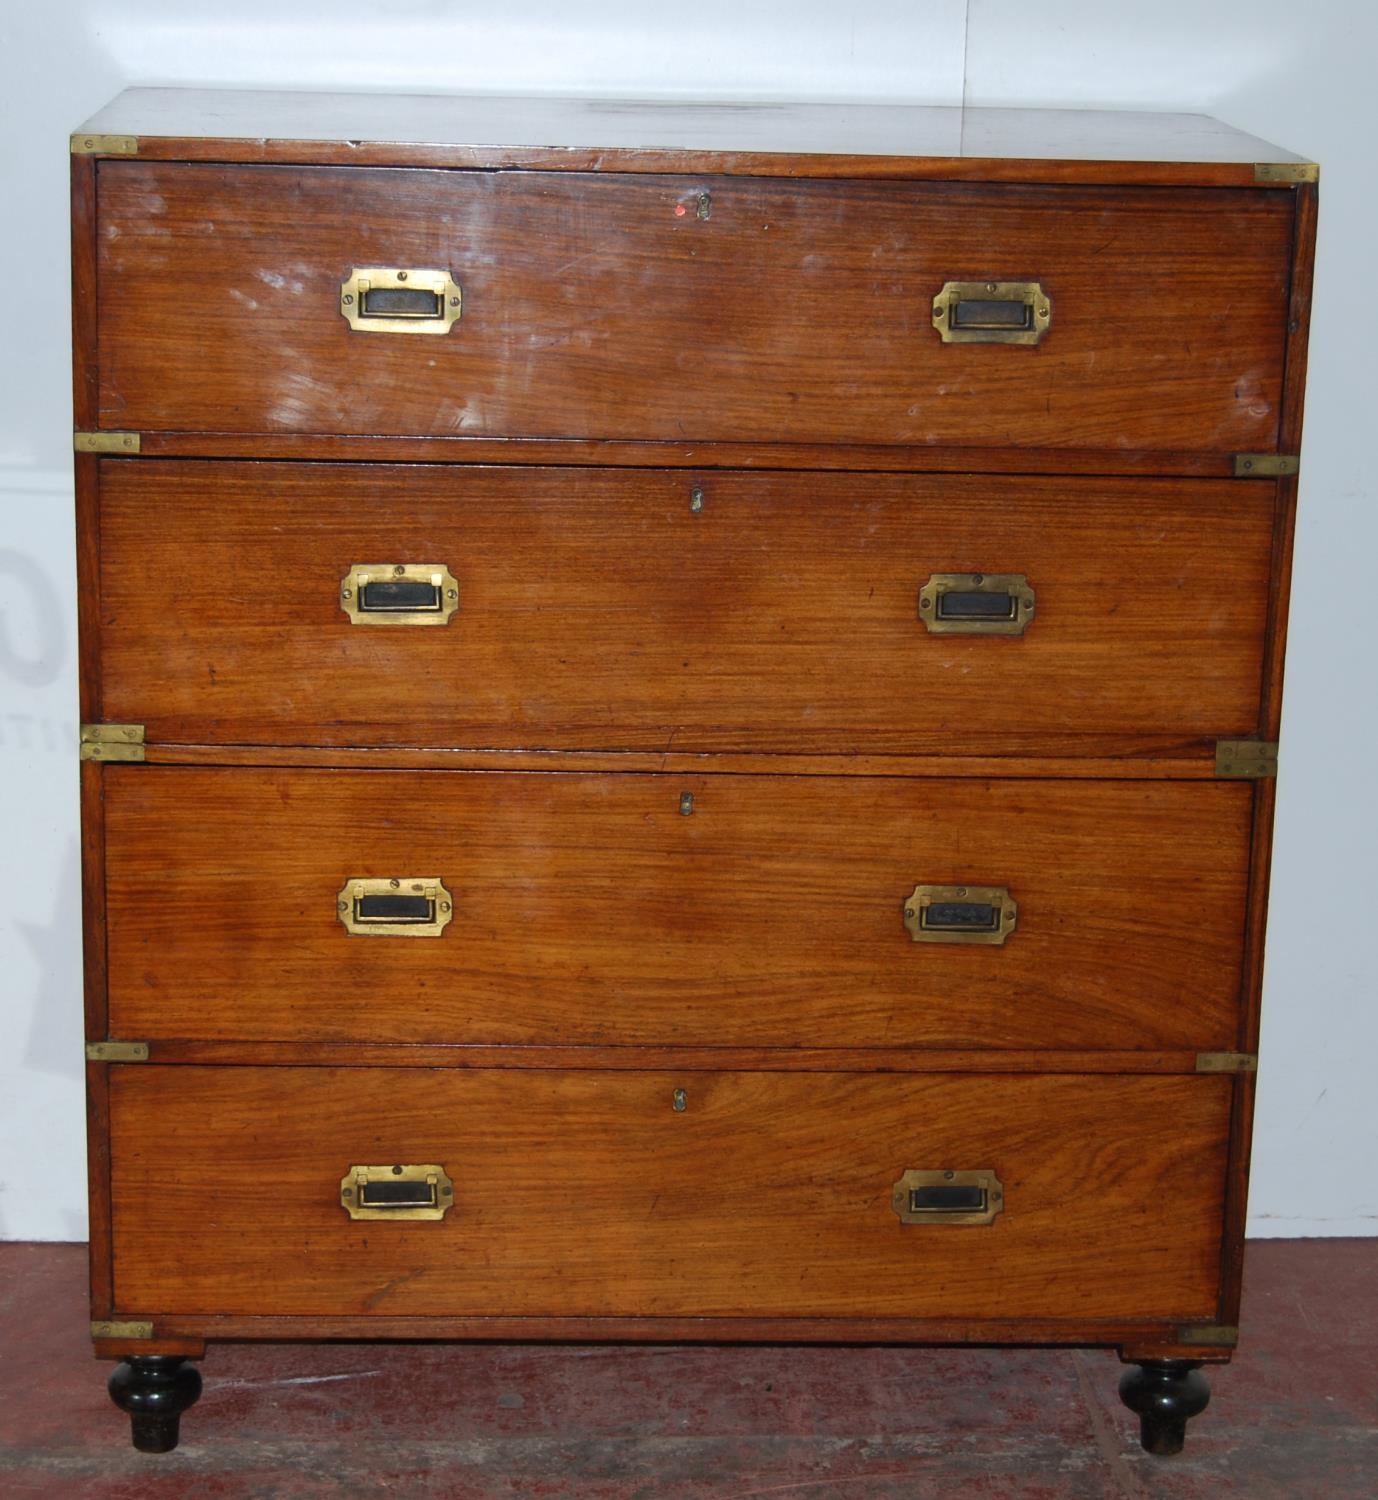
(679, 210)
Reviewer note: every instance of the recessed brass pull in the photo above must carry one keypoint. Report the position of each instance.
(960, 914)
(992, 312)
(388, 299)
(948, 1196)
(977, 604)
(399, 594)
(415, 907)
(397, 1192)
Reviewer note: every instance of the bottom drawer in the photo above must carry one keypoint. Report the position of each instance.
(610, 1194)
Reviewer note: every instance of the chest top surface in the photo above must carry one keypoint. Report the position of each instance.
(731, 137)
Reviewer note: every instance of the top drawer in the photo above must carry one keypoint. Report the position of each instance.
(622, 306)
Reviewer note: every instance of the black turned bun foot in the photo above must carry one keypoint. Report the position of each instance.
(1165, 1393)
(155, 1389)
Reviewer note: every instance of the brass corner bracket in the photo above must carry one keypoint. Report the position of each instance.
(112, 742)
(104, 145)
(1251, 759)
(1227, 1062)
(107, 442)
(1286, 172)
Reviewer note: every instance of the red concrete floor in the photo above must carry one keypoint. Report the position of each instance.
(1295, 1416)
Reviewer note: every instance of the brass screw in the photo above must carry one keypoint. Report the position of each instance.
(348, 298)
(909, 911)
(397, 1171)
(346, 593)
(949, 1175)
(346, 1193)
(398, 570)
(452, 593)
(395, 884)
(444, 906)
(401, 276)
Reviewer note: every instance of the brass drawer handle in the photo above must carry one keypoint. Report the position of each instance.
(960, 914)
(397, 1192)
(415, 907)
(977, 603)
(948, 1196)
(388, 299)
(992, 312)
(399, 594)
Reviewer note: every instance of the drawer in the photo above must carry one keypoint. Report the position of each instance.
(591, 1194)
(689, 310)
(588, 908)
(599, 609)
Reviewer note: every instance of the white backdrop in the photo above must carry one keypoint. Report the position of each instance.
(1300, 75)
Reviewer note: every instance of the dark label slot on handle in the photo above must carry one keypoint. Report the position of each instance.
(396, 1194)
(387, 908)
(961, 916)
(402, 594)
(995, 313)
(947, 1199)
(975, 604)
(401, 302)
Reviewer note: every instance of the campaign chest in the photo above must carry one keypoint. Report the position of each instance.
(679, 721)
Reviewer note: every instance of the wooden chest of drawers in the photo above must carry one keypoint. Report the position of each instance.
(771, 621)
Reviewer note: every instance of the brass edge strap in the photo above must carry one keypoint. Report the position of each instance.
(1217, 1335)
(1250, 759)
(1227, 1062)
(84, 144)
(1288, 172)
(107, 442)
(112, 742)
(110, 1052)
(1266, 465)
(124, 1330)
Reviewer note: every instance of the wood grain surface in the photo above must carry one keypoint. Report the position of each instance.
(854, 458)
(588, 909)
(588, 1194)
(775, 138)
(599, 305)
(598, 609)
